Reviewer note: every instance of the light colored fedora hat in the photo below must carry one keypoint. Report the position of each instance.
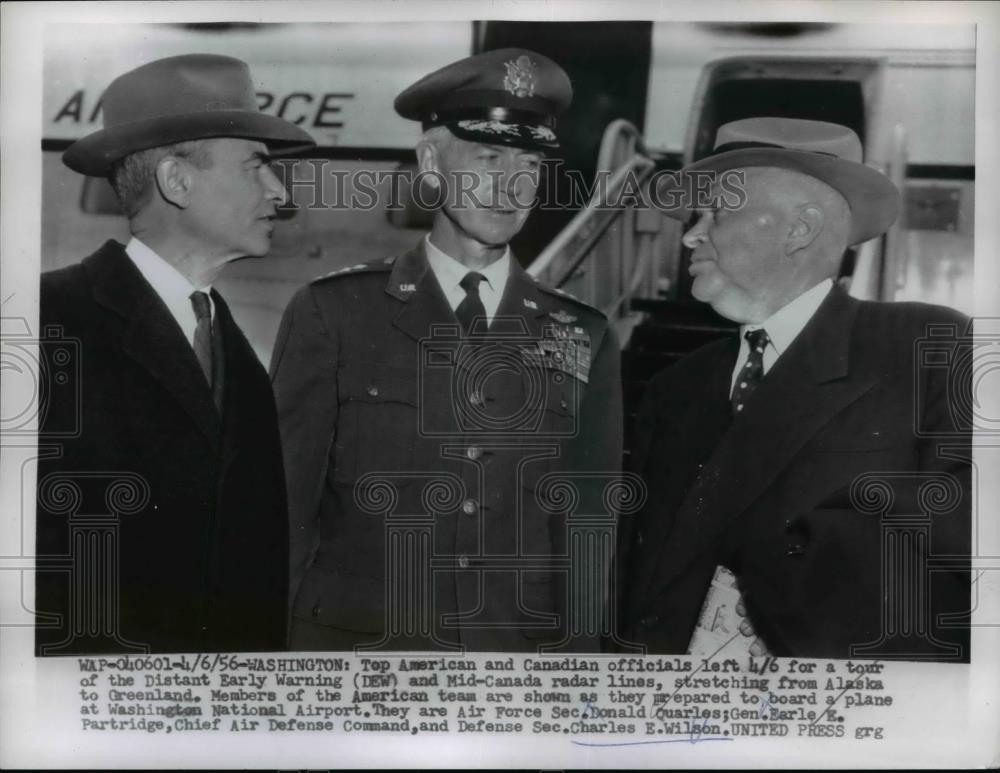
(827, 151)
(180, 98)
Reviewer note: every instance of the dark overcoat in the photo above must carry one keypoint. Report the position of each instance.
(792, 495)
(189, 550)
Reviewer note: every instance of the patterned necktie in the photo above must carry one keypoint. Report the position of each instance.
(471, 307)
(750, 375)
(203, 333)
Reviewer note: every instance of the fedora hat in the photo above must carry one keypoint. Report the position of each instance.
(180, 98)
(827, 151)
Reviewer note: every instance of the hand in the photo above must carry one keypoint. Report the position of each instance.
(757, 646)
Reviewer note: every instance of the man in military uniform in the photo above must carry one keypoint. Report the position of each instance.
(423, 400)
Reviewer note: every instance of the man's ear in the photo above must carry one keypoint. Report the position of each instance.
(807, 224)
(173, 180)
(427, 162)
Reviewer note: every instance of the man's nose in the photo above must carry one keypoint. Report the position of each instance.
(517, 186)
(275, 188)
(697, 233)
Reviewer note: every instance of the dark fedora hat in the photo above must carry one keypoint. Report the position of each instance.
(827, 151)
(507, 96)
(180, 98)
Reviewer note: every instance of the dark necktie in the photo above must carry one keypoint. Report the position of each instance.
(203, 333)
(471, 307)
(752, 372)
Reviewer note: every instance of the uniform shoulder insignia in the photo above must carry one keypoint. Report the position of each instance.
(562, 295)
(375, 266)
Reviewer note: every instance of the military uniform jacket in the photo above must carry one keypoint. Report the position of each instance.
(393, 424)
(848, 470)
(181, 511)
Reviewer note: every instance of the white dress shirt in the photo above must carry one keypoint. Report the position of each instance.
(170, 284)
(782, 327)
(450, 272)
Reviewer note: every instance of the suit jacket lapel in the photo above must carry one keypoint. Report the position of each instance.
(243, 374)
(152, 336)
(808, 385)
(424, 304)
(691, 436)
(523, 307)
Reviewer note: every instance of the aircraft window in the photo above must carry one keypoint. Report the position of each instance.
(838, 101)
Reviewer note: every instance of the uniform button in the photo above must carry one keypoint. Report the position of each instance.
(563, 404)
(463, 562)
(469, 507)
(473, 452)
(373, 390)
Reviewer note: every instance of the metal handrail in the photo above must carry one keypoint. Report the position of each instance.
(581, 219)
(621, 138)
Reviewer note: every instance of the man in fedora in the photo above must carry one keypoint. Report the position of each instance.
(798, 460)
(175, 538)
(424, 399)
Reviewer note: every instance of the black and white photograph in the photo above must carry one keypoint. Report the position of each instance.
(600, 387)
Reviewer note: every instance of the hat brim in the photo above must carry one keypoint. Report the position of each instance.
(518, 135)
(94, 154)
(871, 196)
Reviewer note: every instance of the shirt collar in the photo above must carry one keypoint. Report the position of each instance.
(787, 322)
(450, 272)
(170, 284)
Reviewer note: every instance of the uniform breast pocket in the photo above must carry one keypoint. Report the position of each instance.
(557, 410)
(377, 426)
(544, 494)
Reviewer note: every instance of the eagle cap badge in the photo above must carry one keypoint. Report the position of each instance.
(520, 77)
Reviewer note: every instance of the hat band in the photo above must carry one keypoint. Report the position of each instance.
(726, 147)
(504, 114)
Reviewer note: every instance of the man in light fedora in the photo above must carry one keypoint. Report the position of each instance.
(769, 457)
(176, 449)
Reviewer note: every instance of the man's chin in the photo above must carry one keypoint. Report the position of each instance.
(705, 289)
(258, 252)
(723, 300)
(497, 239)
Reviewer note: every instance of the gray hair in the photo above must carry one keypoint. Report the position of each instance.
(132, 177)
